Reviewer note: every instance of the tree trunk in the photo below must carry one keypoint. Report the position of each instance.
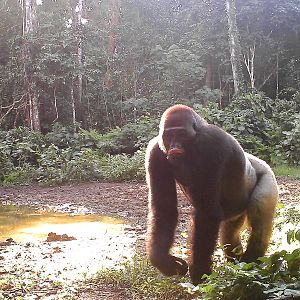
(235, 47)
(112, 41)
(73, 107)
(249, 63)
(209, 78)
(76, 8)
(114, 20)
(79, 48)
(29, 28)
(277, 77)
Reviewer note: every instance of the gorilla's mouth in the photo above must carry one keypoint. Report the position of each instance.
(175, 151)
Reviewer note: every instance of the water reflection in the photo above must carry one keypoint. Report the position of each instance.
(101, 241)
(25, 224)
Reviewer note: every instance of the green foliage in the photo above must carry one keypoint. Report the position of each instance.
(287, 215)
(123, 167)
(21, 145)
(207, 95)
(57, 166)
(276, 276)
(6, 165)
(20, 175)
(248, 119)
(61, 165)
(291, 141)
(293, 236)
(62, 136)
(288, 171)
(129, 138)
(264, 127)
(168, 52)
(64, 155)
(142, 281)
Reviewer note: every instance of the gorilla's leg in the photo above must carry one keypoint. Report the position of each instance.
(230, 237)
(260, 216)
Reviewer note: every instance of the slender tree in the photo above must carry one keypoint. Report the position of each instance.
(76, 16)
(79, 11)
(235, 47)
(249, 56)
(29, 28)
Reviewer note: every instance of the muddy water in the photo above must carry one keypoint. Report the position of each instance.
(99, 241)
(24, 224)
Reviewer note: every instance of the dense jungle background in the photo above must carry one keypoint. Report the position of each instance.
(83, 83)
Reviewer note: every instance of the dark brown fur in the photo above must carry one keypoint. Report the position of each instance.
(219, 179)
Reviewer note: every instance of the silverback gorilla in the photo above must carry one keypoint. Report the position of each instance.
(224, 184)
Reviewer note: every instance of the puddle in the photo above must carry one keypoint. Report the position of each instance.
(101, 241)
(23, 224)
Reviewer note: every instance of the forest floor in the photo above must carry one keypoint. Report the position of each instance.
(126, 201)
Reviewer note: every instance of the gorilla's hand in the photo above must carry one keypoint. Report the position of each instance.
(170, 265)
(196, 273)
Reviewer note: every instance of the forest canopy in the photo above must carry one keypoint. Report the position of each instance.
(108, 69)
(105, 63)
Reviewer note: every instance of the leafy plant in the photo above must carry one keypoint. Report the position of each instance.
(129, 138)
(21, 145)
(276, 276)
(123, 167)
(20, 175)
(291, 142)
(264, 127)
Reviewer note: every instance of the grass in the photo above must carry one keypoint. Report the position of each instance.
(287, 171)
(142, 281)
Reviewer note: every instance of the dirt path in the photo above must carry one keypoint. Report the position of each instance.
(125, 200)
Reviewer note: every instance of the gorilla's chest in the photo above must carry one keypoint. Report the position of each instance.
(184, 174)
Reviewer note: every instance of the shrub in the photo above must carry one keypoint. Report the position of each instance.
(6, 165)
(267, 128)
(129, 138)
(62, 136)
(62, 165)
(20, 175)
(276, 276)
(291, 142)
(264, 127)
(21, 145)
(123, 167)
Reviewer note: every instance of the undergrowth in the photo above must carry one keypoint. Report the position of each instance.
(266, 128)
(287, 171)
(142, 281)
(277, 276)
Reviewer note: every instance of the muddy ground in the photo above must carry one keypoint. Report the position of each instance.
(125, 200)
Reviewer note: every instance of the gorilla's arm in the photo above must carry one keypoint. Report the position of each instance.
(163, 214)
(207, 218)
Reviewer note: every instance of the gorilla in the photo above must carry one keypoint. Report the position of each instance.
(225, 185)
